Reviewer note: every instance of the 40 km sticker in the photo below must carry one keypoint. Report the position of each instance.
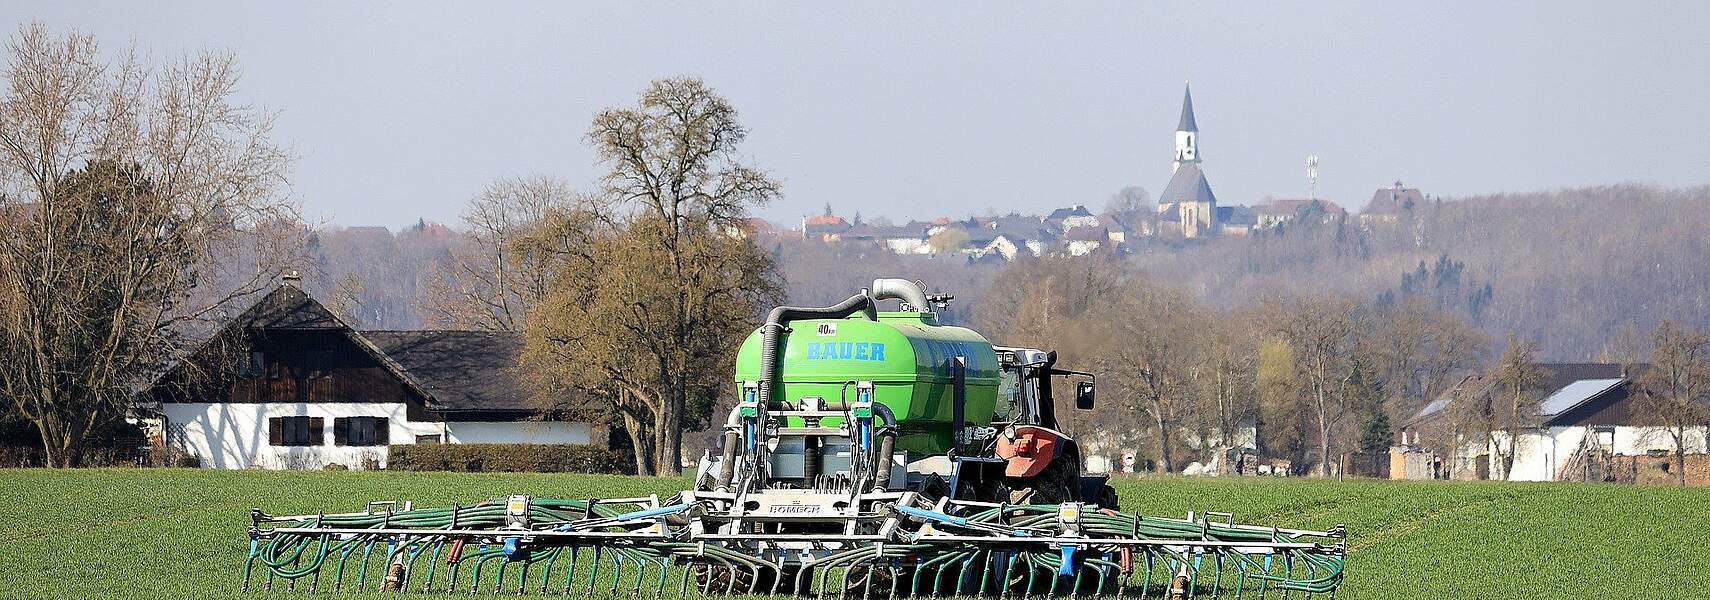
(827, 329)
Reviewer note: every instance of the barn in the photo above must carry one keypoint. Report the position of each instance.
(288, 385)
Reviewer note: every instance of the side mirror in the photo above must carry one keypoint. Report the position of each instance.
(1084, 395)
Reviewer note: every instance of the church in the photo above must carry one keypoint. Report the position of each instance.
(1187, 206)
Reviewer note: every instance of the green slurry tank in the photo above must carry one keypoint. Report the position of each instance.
(907, 355)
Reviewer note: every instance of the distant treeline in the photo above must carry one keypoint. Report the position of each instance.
(1573, 270)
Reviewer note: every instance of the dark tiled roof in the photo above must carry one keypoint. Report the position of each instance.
(287, 307)
(1555, 377)
(1393, 201)
(862, 231)
(1236, 215)
(461, 370)
(1188, 184)
(455, 370)
(1086, 234)
(1064, 213)
(1020, 232)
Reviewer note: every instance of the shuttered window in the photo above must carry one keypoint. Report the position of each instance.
(361, 431)
(296, 431)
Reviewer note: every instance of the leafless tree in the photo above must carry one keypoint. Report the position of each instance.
(1319, 332)
(140, 202)
(1675, 391)
(1156, 346)
(494, 279)
(1130, 201)
(1517, 377)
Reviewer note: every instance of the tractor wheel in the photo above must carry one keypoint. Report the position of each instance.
(1058, 483)
(1107, 498)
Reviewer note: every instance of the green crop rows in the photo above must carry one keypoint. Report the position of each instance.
(180, 533)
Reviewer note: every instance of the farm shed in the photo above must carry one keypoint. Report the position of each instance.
(288, 385)
(1587, 428)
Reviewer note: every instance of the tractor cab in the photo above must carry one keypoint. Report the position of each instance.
(1026, 391)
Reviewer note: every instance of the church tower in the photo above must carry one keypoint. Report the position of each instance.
(1187, 134)
(1188, 203)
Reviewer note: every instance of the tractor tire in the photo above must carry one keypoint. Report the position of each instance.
(1060, 482)
(1107, 498)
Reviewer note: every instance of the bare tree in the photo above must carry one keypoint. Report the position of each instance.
(1517, 376)
(345, 301)
(497, 276)
(1226, 378)
(1130, 201)
(1319, 332)
(1675, 391)
(654, 294)
(1156, 347)
(129, 193)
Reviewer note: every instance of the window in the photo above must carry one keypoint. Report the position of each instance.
(433, 438)
(295, 431)
(252, 365)
(360, 431)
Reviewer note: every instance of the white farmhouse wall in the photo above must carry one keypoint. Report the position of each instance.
(518, 432)
(1080, 221)
(1082, 247)
(234, 436)
(907, 246)
(1540, 455)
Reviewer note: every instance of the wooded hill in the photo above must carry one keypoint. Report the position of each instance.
(1574, 270)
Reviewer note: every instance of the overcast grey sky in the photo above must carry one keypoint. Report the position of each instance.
(405, 110)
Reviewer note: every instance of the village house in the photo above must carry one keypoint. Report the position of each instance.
(1587, 427)
(288, 385)
(1064, 219)
(1274, 213)
(825, 228)
(1389, 204)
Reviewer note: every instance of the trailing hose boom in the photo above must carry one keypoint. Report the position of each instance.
(870, 453)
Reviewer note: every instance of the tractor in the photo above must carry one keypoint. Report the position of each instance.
(870, 452)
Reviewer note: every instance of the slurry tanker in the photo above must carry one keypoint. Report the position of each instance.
(870, 453)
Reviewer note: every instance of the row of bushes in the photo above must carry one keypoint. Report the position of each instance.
(510, 458)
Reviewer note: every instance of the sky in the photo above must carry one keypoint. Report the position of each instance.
(400, 111)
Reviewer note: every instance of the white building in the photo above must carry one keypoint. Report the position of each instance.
(1586, 420)
(288, 385)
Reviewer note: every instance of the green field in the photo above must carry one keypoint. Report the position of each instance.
(122, 533)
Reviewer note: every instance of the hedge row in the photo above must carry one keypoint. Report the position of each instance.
(510, 458)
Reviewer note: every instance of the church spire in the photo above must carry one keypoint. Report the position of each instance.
(1187, 123)
(1187, 134)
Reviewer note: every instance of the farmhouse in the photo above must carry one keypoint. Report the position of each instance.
(1587, 427)
(288, 385)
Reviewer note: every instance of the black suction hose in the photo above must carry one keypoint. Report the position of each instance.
(727, 465)
(771, 333)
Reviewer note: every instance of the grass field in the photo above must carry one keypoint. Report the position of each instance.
(124, 533)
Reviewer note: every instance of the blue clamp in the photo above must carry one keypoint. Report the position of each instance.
(1067, 567)
(514, 549)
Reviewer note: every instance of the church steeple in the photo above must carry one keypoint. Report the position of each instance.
(1187, 133)
(1187, 123)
